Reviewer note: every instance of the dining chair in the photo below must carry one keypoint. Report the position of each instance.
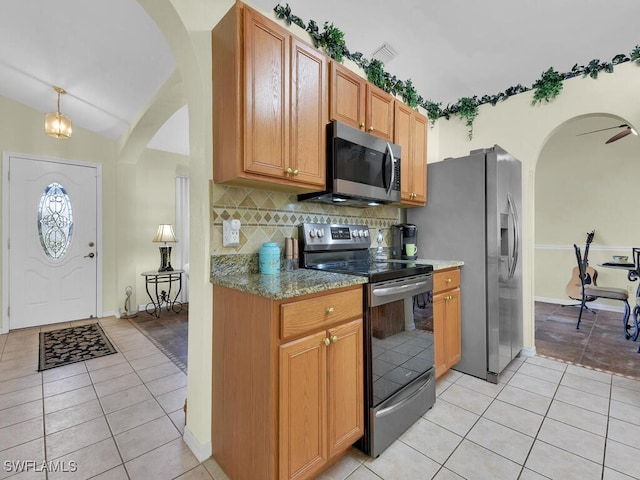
(636, 308)
(593, 290)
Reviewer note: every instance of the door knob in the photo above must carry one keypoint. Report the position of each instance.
(91, 255)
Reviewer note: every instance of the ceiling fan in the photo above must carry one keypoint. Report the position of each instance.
(627, 130)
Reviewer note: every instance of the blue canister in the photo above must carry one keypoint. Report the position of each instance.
(269, 257)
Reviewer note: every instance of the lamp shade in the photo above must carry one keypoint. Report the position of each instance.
(57, 124)
(164, 234)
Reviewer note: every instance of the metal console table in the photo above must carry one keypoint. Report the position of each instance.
(163, 297)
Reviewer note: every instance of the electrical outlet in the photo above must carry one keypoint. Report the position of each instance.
(231, 233)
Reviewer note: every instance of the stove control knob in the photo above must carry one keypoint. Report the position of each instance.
(366, 233)
(355, 234)
(313, 232)
(361, 233)
(320, 233)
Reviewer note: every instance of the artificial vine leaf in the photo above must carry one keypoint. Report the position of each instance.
(331, 40)
(547, 87)
(375, 73)
(409, 94)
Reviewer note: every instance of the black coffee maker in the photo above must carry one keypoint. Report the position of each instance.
(404, 241)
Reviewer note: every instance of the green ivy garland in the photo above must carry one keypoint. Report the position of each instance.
(546, 88)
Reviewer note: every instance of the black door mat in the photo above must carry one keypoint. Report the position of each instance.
(73, 344)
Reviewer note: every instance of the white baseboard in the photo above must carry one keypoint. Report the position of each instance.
(202, 451)
(567, 301)
(528, 352)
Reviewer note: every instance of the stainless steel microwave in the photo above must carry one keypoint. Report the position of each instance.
(362, 169)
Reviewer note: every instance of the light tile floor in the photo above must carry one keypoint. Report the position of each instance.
(121, 417)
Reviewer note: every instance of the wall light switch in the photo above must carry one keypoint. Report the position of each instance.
(231, 233)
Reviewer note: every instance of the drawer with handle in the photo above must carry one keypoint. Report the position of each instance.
(304, 316)
(446, 280)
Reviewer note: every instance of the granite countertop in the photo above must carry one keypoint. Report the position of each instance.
(240, 273)
(287, 284)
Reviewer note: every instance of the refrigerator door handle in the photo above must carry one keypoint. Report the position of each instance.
(516, 236)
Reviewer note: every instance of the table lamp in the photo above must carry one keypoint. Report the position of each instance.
(165, 234)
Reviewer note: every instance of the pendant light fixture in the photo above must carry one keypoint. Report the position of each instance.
(57, 124)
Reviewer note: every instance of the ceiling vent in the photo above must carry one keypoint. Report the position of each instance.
(385, 53)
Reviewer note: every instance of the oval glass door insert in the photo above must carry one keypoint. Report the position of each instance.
(55, 221)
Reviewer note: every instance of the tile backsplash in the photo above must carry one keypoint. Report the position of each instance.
(268, 216)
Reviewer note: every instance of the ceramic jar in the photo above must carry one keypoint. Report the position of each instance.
(269, 258)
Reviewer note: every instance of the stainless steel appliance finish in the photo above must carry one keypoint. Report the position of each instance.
(398, 338)
(362, 169)
(473, 214)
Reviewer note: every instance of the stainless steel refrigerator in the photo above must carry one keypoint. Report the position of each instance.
(473, 214)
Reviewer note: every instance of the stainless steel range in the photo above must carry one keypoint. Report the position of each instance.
(398, 328)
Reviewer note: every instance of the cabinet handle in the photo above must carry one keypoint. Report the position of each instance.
(371, 129)
(329, 309)
(362, 125)
(296, 172)
(288, 171)
(334, 339)
(326, 341)
(447, 280)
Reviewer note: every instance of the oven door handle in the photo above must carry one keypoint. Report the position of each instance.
(396, 406)
(386, 291)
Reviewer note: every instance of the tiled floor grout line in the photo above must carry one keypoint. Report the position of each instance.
(165, 414)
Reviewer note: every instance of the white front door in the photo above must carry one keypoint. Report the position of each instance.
(53, 244)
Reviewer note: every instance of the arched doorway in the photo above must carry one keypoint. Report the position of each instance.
(582, 184)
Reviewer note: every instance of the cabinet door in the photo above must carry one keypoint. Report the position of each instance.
(419, 167)
(348, 92)
(379, 113)
(303, 393)
(345, 391)
(439, 332)
(453, 339)
(266, 82)
(410, 132)
(402, 137)
(309, 112)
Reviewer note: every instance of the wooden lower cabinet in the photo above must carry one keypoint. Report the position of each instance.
(321, 405)
(287, 397)
(446, 320)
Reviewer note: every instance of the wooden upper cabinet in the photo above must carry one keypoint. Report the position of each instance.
(309, 114)
(410, 132)
(379, 113)
(358, 103)
(347, 96)
(270, 106)
(266, 79)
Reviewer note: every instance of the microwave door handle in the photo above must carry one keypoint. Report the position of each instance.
(393, 170)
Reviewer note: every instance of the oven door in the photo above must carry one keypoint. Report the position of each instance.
(400, 364)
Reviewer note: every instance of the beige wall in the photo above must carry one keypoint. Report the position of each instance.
(22, 131)
(524, 131)
(582, 184)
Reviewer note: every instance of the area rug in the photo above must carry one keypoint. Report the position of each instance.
(73, 344)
